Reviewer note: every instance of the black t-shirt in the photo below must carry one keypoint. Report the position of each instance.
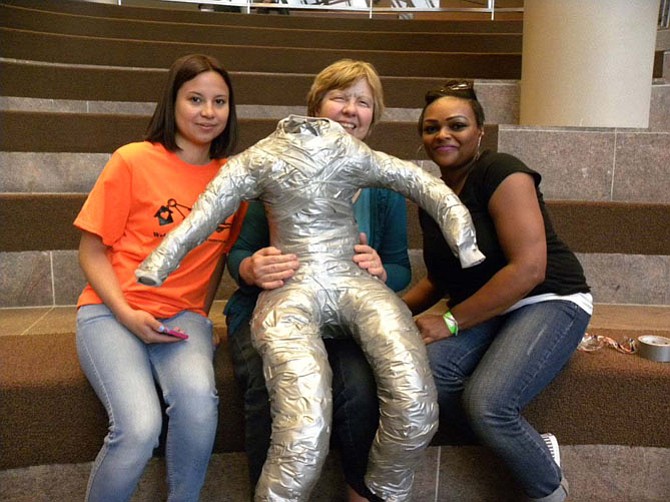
(564, 274)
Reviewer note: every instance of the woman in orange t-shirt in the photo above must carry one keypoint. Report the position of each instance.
(144, 191)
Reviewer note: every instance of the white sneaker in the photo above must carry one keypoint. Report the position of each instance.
(552, 443)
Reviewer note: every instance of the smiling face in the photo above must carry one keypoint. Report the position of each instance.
(201, 114)
(352, 107)
(450, 132)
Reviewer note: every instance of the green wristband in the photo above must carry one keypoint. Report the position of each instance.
(451, 322)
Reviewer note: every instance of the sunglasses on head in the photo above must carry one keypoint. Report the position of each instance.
(457, 85)
(456, 88)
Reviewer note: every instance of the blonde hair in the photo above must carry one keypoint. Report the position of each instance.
(340, 75)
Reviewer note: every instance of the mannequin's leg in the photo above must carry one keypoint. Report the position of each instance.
(298, 377)
(408, 399)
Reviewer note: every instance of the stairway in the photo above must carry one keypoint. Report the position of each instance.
(78, 79)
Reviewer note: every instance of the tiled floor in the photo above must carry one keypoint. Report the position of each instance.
(41, 321)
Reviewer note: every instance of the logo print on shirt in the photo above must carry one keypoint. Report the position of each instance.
(165, 212)
(164, 215)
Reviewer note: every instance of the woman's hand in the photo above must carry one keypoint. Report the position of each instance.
(268, 268)
(432, 328)
(94, 261)
(367, 258)
(145, 326)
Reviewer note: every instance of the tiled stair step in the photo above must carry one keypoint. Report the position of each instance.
(62, 132)
(32, 29)
(320, 22)
(28, 45)
(120, 90)
(92, 89)
(79, 82)
(40, 222)
(232, 35)
(624, 260)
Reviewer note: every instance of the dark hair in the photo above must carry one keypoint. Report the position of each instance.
(462, 89)
(162, 127)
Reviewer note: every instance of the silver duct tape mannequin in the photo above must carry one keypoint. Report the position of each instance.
(306, 173)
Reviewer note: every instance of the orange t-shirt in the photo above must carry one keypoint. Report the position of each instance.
(143, 192)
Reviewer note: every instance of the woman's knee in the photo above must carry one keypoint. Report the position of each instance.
(141, 432)
(196, 403)
(487, 408)
(449, 382)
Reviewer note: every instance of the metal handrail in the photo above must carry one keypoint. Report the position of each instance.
(331, 5)
(400, 7)
(664, 14)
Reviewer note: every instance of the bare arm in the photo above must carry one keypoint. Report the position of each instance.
(214, 282)
(423, 295)
(513, 206)
(98, 270)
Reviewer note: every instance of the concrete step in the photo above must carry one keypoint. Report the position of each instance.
(236, 35)
(43, 222)
(614, 241)
(93, 84)
(76, 88)
(61, 132)
(28, 45)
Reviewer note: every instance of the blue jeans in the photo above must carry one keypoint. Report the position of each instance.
(125, 372)
(487, 374)
(355, 405)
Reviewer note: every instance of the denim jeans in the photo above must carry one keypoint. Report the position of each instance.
(125, 372)
(487, 374)
(355, 405)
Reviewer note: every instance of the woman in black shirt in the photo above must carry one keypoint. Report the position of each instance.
(513, 321)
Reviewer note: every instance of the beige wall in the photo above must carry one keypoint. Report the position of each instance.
(588, 62)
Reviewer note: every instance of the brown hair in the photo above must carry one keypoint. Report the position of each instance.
(162, 126)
